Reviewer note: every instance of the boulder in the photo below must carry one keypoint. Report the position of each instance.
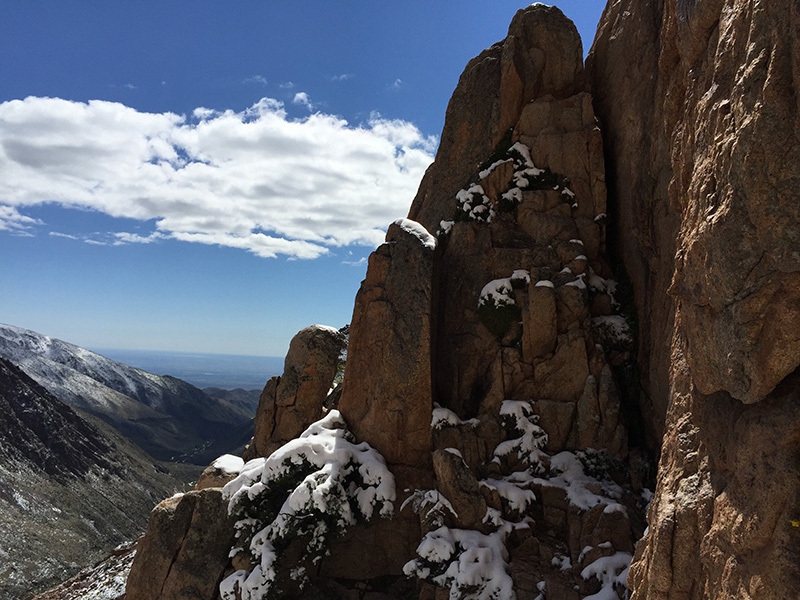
(290, 403)
(308, 373)
(458, 484)
(184, 551)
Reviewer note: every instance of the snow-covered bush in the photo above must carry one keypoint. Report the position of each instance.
(567, 473)
(512, 489)
(473, 204)
(613, 332)
(497, 309)
(433, 504)
(312, 488)
(611, 572)
(473, 565)
(497, 292)
(599, 463)
(518, 419)
(444, 417)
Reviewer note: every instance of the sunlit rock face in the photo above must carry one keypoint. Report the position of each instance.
(288, 404)
(699, 106)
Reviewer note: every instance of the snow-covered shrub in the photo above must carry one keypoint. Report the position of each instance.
(497, 309)
(444, 417)
(433, 504)
(566, 472)
(598, 463)
(520, 278)
(497, 292)
(473, 205)
(518, 419)
(611, 572)
(512, 489)
(613, 332)
(445, 227)
(528, 177)
(312, 488)
(473, 565)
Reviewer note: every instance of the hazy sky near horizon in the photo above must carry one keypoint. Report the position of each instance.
(211, 177)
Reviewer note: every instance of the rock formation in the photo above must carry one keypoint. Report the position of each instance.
(699, 102)
(290, 403)
(514, 388)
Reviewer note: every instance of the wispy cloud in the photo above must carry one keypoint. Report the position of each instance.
(64, 235)
(342, 77)
(396, 84)
(286, 85)
(123, 237)
(129, 86)
(12, 220)
(356, 263)
(255, 179)
(257, 80)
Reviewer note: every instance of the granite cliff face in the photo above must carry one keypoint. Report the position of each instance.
(596, 262)
(700, 107)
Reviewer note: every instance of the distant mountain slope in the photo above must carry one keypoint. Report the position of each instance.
(71, 488)
(169, 418)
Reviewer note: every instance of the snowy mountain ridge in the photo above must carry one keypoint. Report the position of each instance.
(42, 355)
(166, 416)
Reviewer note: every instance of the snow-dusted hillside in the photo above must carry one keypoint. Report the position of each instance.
(168, 417)
(71, 488)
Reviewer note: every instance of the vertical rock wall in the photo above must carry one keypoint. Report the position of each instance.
(700, 104)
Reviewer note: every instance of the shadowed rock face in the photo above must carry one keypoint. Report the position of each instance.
(700, 103)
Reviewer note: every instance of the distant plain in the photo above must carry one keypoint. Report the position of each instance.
(225, 371)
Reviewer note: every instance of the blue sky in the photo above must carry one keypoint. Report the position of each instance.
(208, 176)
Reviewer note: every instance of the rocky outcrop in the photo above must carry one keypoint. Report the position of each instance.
(387, 384)
(700, 104)
(184, 551)
(530, 219)
(515, 303)
(292, 402)
(386, 394)
(541, 56)
(492, 360)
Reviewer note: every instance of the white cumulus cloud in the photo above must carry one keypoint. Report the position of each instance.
(255, 179)
(302, 99)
